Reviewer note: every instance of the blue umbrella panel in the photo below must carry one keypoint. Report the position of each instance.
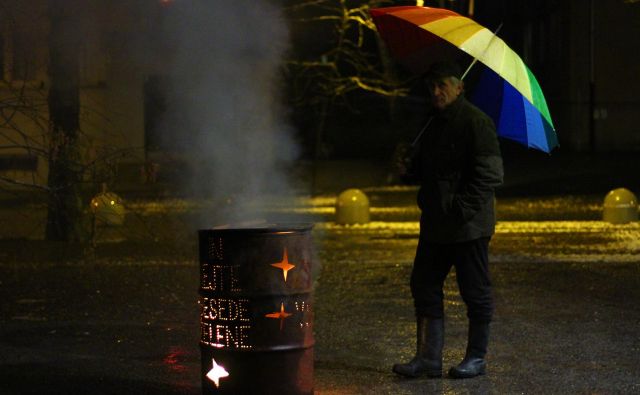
(514, 115)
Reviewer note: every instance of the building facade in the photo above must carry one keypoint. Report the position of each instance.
(584, 54)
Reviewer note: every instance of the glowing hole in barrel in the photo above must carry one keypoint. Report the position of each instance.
(216, 373)
(281, 315)
(284, 265)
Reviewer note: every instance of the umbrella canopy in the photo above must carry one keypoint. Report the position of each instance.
(508, 91)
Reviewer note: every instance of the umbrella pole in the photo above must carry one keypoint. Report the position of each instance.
(495, 34)
(415, 141)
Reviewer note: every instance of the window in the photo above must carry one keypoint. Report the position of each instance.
(92, 61)
(22, 47)
(1, 56)
(155, 108)
(22, 162)
(23, 56)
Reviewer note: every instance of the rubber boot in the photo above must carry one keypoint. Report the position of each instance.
(473, 363)
(428, 358)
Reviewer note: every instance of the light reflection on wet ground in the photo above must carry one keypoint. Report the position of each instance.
(152, 218)
(123, 313)
(542, 241)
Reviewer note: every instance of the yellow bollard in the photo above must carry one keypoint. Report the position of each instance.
(352, 207)
(620, 206)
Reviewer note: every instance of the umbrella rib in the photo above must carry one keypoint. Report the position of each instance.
(475, 59)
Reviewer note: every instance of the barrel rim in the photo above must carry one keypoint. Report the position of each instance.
(274, 228)
(260, 349)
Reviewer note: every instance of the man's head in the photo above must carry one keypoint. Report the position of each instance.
(443, 83)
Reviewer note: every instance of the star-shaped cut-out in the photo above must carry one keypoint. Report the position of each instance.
(216, 373)
(284, 265)
(281, 315)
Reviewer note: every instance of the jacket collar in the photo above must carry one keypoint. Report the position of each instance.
(452, 110)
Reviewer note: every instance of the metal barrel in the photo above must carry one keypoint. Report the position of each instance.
(256, 310)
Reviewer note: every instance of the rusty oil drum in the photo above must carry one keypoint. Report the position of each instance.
(256, 315)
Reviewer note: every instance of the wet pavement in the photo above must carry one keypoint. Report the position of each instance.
(562, 325)
(122, 316)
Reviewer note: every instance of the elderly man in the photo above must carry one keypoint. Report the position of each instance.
(458, 165)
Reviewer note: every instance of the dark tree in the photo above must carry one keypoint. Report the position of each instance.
(64, 217)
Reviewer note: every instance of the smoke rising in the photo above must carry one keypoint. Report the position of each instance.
(224, 101)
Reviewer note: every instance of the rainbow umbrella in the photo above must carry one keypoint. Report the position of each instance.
(507, 91)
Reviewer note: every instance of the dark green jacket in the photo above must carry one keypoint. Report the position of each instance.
(459, 165)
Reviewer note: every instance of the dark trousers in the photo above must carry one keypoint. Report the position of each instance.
(432, 264)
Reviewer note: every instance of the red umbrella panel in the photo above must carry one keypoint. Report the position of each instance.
(413, 47)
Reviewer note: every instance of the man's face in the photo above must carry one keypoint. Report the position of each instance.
(444, 91)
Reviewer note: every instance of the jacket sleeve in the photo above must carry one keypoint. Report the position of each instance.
(485, 171)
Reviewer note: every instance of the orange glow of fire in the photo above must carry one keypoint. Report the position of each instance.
(216, 373)
(284, 265)
(281, 315)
